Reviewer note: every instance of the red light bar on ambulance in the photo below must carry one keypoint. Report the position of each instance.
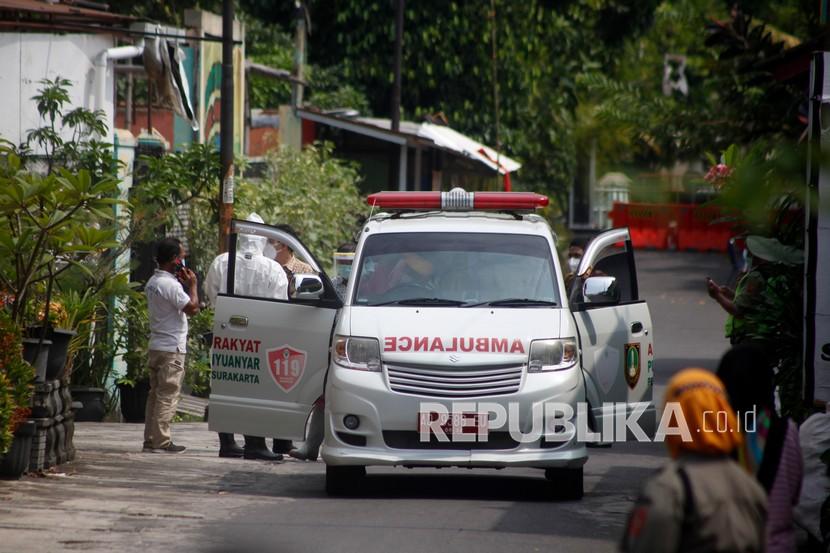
(458, 199)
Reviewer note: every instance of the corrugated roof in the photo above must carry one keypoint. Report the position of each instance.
(450, 139)
(424, 134)
(63, 12)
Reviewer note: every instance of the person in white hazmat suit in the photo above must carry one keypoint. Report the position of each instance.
(258, 276)
(255, 274)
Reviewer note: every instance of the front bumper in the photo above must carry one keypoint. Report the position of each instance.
(368, 396)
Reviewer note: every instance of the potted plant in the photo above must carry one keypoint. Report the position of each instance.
(134, 386)
(58, 332)
(87, 312)
(16, 378)
(56, 202)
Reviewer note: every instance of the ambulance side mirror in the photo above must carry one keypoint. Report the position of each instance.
(601, 290)
(307, 287)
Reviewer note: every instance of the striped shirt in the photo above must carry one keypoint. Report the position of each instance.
(783, 496)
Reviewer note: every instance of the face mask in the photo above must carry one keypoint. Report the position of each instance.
(269, 251)
(573, 263)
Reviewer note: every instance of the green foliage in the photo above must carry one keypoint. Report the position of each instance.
(59, 218)
(82, 149)
(328, 86)
(197, 364)
(269, 46)
(169, 182)
(329, 89)
(16, 378)
(184, 181)
(58, 200)
(448, 67)
(313, 192)
(766, 187)
(728, 76)
(778, 323)
(162, 10)
(133, 325)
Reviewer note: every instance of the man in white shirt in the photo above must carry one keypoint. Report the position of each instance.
(172, 296)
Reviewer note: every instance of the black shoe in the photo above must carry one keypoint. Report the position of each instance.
(228, 446)
(232, 452)
(261, 454)
(282, 446)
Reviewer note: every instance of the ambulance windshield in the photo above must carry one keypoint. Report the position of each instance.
(456, 270)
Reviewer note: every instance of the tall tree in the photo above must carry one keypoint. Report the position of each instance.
(447, 66)
(732, 95)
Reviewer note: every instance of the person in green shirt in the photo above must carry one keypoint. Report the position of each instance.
(743, 304)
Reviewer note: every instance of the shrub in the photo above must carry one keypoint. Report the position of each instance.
(764, 183)
(16, 378)
(311, 191)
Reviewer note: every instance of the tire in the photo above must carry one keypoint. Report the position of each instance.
(344, 480)
(565, 483)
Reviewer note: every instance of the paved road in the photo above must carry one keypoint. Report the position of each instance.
(115, 498)
(688, 325)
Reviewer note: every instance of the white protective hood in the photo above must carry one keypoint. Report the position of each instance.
(255, 275)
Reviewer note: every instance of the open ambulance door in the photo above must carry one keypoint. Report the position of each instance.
(615, 333)
(269, 357)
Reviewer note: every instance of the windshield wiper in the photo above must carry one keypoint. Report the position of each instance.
(422, 302)
(514, 302)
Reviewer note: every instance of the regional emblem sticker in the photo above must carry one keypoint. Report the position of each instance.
(632, 364)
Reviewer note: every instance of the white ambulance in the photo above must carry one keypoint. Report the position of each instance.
(455, 332)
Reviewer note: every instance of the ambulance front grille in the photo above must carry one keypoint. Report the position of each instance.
(455, 382)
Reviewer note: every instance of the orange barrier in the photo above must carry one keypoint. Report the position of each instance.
(674, 226)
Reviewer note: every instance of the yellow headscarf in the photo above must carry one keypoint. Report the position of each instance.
(709, 417)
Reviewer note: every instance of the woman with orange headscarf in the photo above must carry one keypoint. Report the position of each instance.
(702, 500)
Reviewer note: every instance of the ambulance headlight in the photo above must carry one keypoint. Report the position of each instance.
(552, 355)
(352, 352)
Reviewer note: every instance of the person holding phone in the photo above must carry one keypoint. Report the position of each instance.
(172, 296)
(744, 321)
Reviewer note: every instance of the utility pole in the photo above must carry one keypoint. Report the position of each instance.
(396, 94)
(226, 128)
(396, 87)
(300, 32)
(495, 67)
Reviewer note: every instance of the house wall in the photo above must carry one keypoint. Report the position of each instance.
(164, 121)
(209, 67)
(27, 58)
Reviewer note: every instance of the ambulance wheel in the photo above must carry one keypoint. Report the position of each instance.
(566, 483)
(344, 480)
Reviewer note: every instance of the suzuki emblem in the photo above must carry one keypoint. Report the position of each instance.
(453, 359)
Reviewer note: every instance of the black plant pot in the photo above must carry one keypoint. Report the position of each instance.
(37, 355)
(16, 460)
(94, 407)
(134, 400)
(56, 367)
(60, 337)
